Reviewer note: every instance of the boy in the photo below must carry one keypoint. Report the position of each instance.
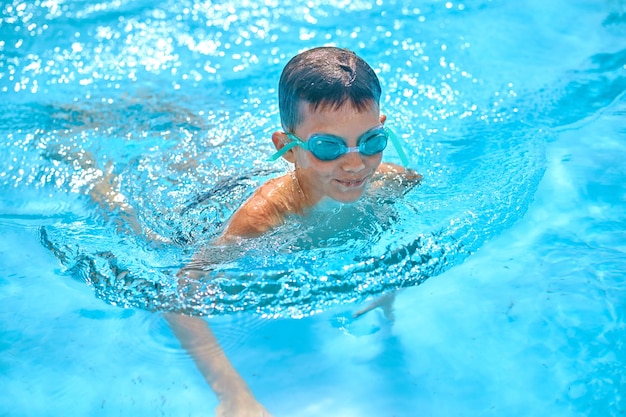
(334, 136)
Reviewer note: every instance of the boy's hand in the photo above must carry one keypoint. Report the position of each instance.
(393, 169)
(412, 175)
(240, 404)
(392, 178)
(385, 302)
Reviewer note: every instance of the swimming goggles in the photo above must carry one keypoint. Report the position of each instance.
(327, 147)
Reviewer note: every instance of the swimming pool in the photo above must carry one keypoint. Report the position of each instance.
(513, 112)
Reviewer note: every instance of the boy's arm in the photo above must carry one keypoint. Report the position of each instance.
(395, 179)
(390, 175)
(253, 218)
(196, 337)
(234, 395)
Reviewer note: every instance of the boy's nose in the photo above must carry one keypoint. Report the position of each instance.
(352, 162)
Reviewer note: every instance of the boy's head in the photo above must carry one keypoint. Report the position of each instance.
(332, 95)
(325, 78)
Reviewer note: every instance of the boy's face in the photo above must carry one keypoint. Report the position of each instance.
(345, 178)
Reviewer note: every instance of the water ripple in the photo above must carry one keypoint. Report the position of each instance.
(169, 108)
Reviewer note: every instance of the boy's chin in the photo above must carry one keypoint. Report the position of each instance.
(347, 198)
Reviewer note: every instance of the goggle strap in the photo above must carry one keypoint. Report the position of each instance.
(285, 149)
(398, 146)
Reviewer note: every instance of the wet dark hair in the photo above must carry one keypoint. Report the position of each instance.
(325, 77)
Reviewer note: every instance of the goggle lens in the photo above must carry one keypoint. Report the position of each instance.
(329, 148)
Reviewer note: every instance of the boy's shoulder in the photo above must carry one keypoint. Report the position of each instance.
(266, 208)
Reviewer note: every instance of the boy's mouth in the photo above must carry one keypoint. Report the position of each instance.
(351, 183)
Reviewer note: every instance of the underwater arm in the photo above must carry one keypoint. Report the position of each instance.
(387, 169)
(263, 211)
(392, 179)
(196, 337)
(234, 395)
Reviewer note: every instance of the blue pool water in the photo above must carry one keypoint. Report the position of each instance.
(514, 113)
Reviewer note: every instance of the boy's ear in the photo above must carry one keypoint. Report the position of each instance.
(383, 118)
(280, 140)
